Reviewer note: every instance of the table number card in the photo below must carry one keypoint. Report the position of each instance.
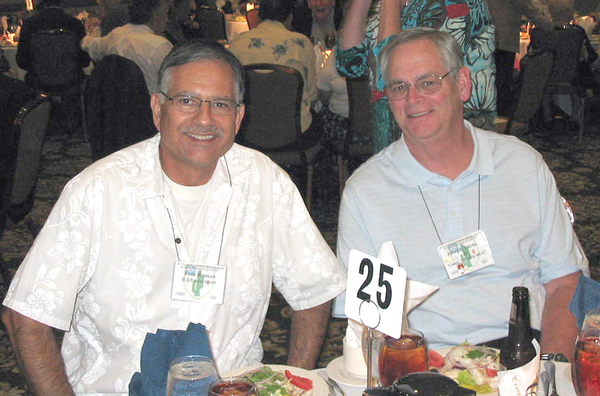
(375, 293)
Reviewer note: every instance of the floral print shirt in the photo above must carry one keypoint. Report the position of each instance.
(468, 21)
(102, 266)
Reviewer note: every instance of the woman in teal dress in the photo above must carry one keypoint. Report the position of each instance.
(367, 29)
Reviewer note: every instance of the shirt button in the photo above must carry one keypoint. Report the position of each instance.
(451, 191)
(453, 213)
(178, 240)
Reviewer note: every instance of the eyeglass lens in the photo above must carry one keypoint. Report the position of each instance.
(190, 104)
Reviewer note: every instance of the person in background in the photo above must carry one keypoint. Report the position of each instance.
(506, 15)
(139, 41)
(177, 30)
(107, 267)
(446, 183)
(113, 15)
(272, 42)
(368, 26)
(317, 19)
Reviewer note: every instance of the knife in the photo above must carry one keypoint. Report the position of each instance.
(333, 385)
(325, 377)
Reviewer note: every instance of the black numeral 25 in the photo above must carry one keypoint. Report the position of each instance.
(367, 265)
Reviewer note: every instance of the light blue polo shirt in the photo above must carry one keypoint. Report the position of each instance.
(508, 188)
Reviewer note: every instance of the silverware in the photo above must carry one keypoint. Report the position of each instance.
(551, 370)
(332, 383)
(326, 378)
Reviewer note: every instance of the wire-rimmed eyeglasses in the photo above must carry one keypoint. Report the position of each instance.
(191, 104)
(426, 85)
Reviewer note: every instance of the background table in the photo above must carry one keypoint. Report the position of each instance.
(10, 53)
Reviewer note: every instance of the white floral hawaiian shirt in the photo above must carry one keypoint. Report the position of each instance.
(101, 267)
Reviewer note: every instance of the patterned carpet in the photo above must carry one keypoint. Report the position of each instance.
(576, 167)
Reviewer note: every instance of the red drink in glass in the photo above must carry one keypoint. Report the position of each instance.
(402, 356)
(586, 368)
(232, 386)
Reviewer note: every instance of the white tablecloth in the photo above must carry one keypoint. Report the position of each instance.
(10, 53)
(234, 26)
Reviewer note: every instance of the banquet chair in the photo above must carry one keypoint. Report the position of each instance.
(56, 71)
(20, 163)
(567, 43)
(212, 23)
(531, 87)
(359, 123)
(117, 105)
(252, 18)
(272, 121)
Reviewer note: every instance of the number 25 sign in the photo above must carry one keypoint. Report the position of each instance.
(375, 293)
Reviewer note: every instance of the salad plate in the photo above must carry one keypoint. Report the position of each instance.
(336, 371)
(444, 352)
(320, 388)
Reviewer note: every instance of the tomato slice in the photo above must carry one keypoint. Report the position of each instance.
(435, 359)
(491, 372)
(300, 382)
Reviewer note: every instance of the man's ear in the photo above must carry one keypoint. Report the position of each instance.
(463, 81)
(239, 116)
(156, 109)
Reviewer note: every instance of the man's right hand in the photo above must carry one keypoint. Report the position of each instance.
(38, 354)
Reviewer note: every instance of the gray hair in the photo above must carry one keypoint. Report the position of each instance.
(200, 50)
(448, 47)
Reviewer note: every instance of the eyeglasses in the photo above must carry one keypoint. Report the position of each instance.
(191, 104)
(426, 85)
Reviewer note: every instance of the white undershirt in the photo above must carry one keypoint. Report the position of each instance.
(189, 202)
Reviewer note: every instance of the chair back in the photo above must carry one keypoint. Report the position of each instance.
(360, 120)
(30, 127)
(252, 18)
(566, 42)
(273, 102)
(117, 105)
(55, 58)
(536, 67)
(212, 23)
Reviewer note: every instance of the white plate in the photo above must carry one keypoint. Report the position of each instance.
(319, 386)
(336, 370)
(444, 351)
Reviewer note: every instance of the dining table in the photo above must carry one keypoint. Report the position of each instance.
(10, 53)
(349, 383)
(234, 25)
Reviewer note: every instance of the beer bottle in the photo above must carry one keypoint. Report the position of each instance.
(518, 350)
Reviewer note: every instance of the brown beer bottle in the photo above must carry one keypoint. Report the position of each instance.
(518, 349)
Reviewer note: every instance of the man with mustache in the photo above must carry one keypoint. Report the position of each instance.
(469, 210)
(114, 260)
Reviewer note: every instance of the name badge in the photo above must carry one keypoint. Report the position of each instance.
(465, 255)
(198, 282)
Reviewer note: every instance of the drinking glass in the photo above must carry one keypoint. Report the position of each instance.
(233, 386)
(586, 366)
(191, 376)
(405, 355)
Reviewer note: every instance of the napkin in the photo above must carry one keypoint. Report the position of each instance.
(518, 381)
(159, 350)
(416, 293)
(586, 297)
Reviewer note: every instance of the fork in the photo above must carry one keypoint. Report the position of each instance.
(551, 370)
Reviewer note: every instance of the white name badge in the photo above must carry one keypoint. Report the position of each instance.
(467, 254)
(198, 282)
(375, 293)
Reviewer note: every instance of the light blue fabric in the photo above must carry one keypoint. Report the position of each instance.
(586, 297)
(522, 214)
